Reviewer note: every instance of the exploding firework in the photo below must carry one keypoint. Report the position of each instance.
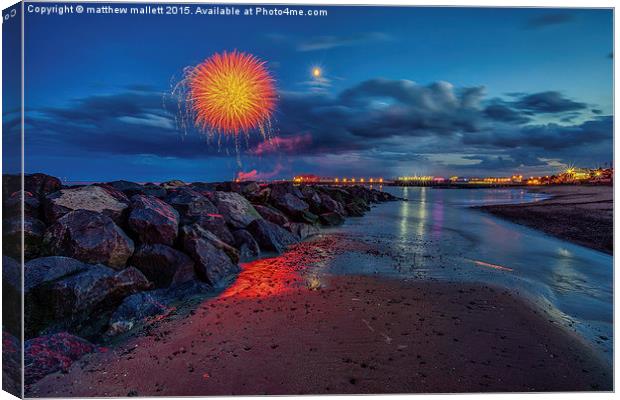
(231, 93)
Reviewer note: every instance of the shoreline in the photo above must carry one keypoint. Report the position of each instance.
(344, 334)
(358, 333)
(349, 344)
(579, 214)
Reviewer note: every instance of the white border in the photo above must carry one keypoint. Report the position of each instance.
(478, 3)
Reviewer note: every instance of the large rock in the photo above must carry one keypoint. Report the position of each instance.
(290, 204)
(146, 307)
(236, 209)
(13, 205)
(11, 295)
(288, 199)
(11, 275)
(356, 208)
(163, 265)
(280, 188)
(91, 198)
(90, 237)
(127, 187)
(272, 215)
(52, 353)
(189, 203)
(34, 230)
(340, 194)
(248, 188)
(245, 188)
(204, 187)
(331, 219)
(11, 183)
(150, 189)
(173, 184)
(261, 196)
(361, 197)
(152, 220)
(215, 223)
(112, 191)
(40, 184)
(133, 310)
(99, 286)
(303, 231)
(328, 204)
(12, 364)
(271, 237)
(312, 198)
(46, 270)
(75, 300)
(197, 231)
(131, 188)
(385, 196)
(215, 261)
(245, 243)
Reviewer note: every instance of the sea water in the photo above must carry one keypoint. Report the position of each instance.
(437, 234)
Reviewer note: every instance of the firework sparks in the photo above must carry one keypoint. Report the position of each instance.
(231, 93)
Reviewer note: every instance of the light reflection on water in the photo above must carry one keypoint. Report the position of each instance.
(435, 235)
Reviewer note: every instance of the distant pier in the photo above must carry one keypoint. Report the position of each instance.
(571, 176)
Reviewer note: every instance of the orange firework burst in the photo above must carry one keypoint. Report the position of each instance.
(231, 93)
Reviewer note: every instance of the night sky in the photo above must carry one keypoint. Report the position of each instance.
(432, 91)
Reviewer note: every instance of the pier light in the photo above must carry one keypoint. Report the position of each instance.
(380, 180)
(370, 180)
(362, 180)
(336, 180)
(353, 180)
(344, 180)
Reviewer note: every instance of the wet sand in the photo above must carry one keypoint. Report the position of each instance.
(280, 328)
(580, 214)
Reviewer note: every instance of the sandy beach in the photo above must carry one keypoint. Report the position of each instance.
(282, 329)
(580, 214)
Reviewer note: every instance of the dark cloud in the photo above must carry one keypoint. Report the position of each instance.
(141, 88)
(126, 123)
(327, 42)
(547, 102)
(514, 161)
(504, 113)
(102, 108)
(388, 108)
(382, 115)
(11, 124)
(377, 122)
(332, 42)
(11, 140)
(548, 137)
(543, 21)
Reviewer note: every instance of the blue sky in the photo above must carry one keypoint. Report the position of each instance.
(405, 90)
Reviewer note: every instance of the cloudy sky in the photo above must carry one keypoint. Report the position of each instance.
(442, 91)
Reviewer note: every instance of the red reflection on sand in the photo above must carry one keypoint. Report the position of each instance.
(277, 275)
